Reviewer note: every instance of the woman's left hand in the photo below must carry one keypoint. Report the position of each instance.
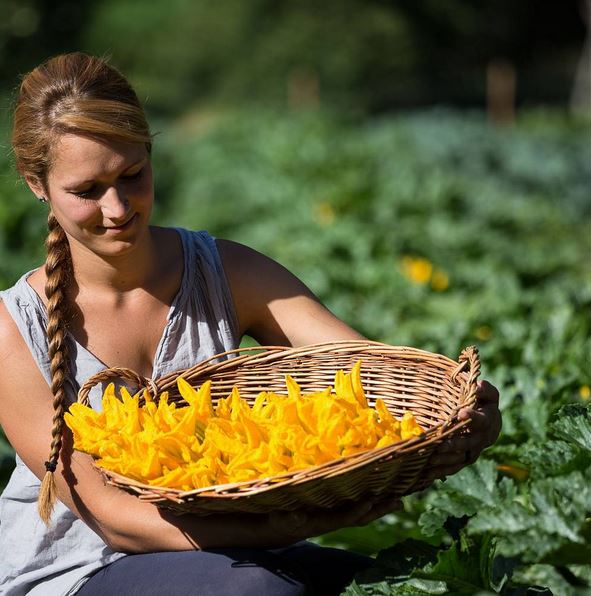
(481, 432)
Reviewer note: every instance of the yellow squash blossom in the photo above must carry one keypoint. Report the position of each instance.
(196, 444)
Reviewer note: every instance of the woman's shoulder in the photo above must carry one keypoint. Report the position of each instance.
(26, 289)
(10, 337)
(21, 307)
(242, 259)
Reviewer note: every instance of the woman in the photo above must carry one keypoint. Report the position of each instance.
(83, 146)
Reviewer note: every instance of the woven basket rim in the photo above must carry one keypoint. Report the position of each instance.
(259, 354)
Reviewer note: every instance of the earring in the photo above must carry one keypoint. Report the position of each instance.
(42, 199)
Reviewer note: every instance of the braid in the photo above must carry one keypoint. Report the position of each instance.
(76, 94)
(57, 269)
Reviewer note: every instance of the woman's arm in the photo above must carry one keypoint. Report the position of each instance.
(272, 305)
(123, 521)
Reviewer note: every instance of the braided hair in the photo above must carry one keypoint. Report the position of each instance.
(69, 94)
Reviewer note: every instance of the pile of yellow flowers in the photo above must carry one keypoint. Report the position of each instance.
(198, 445)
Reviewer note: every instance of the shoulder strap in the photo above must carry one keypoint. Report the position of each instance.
(207, 280)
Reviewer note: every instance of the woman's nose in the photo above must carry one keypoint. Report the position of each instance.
(114, 203)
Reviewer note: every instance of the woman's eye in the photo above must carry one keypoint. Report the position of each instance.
(133, 176)
(85, 194)
(92, 192)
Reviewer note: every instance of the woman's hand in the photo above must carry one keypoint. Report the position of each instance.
(482, 431)
(292, 526)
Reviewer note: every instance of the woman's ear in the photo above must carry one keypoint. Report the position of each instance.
(36, 186)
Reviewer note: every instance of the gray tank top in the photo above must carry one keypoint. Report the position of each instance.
(201, 322)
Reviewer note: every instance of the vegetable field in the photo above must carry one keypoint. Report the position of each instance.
(438, 231)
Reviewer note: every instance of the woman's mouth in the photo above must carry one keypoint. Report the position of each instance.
(122, 227)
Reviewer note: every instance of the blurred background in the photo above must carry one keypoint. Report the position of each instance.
(365, 57)
(424, 166)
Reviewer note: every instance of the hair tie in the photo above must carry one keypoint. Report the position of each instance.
(50, 466)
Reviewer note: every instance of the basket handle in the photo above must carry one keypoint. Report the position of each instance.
(469, 360)
(109, 374)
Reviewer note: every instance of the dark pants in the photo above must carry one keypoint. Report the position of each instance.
(303, 568)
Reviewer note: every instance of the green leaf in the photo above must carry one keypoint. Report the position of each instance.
(553, 458)
(398, 562)
(376, 536)
(573, 424)
(517, 590)
(552, 518)
(468, 566)
(466, 493)
(546, 515)
(460, 567)
(546, 575)
(572, 553)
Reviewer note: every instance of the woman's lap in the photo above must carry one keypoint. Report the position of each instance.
(303, 568)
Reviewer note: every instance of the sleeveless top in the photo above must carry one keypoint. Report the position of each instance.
(201, 322)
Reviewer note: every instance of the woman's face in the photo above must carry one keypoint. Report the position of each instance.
(101, 192)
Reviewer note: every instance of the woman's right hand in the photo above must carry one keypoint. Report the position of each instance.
(299, 525)
(274, 530)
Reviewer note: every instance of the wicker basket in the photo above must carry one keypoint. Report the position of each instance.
(432, 386)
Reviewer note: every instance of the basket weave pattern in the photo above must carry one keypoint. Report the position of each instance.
(431, 386)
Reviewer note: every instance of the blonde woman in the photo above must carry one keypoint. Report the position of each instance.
(115, 290)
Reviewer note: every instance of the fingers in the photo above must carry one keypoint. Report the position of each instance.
(485, 421)
(454, 455)
(443, 466)
(487, 392)
(351, 517)
(485, 417)
(442, 472)
(451, 458)
(464, 449)
(289, 523)
(459, 444)
(364, 512)
(379, 509)
(297, 525)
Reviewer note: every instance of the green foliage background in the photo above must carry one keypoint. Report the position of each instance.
(363, 55)
(505, 213)
(275, 128)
